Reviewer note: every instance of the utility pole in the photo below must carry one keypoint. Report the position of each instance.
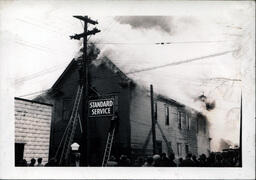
(240, 138)
(85, 146)
(153, 119)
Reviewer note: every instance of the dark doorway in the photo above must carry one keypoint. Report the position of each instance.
(19, 152)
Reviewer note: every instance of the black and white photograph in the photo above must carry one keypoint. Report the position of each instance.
(142, 86)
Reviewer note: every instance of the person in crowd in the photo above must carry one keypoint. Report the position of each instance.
(164, 161)
(124, 161)
(139, 162)
(210, 160)
(180, 162)
(195, 161)
(227, 162)
(22, 163)
(172, 158)
(39, 162)
(156, 160)
(188, 161)
(32, 162)
(52, 162)
(218, 160)
(202, 160)
(112, 161)
(149, 162)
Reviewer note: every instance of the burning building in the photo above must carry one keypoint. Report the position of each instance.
(179, 129)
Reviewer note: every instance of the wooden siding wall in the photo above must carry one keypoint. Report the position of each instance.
(141, 136)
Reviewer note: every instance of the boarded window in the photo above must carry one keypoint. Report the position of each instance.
(167, 116)
(179, 149)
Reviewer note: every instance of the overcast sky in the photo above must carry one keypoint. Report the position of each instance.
(211, 41)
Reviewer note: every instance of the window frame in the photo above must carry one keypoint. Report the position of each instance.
(179, 149)
(188, 123)
(186, 148)
(167, 115)
(179, 120)
(155, 111)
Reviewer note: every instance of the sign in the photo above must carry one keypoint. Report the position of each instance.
(101, 107)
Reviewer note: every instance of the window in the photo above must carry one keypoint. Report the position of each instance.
(179, 149)
(66, 109)
(169, 147)
(167, 115)
(197, 125)
(204, 121)
(155, 110)
(179, 120)
(188, 122)
(186, 148)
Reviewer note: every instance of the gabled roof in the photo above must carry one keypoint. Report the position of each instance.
(96, 62)
(68, 68)
(109, 64)
(112, 67)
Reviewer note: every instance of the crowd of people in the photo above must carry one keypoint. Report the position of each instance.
(32, 163)
(219, 159)
(215, 159)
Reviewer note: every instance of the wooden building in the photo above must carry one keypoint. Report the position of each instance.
(179, 129)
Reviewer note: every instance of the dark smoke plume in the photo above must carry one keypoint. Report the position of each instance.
(147, 22)
(208, 105)
(92, 52)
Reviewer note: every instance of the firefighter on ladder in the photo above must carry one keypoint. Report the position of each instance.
(114, 122)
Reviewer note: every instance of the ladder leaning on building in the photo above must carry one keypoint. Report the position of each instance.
(69, 132)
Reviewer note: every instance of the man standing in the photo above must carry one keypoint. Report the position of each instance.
(39, 162)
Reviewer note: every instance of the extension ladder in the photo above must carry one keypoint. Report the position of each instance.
(164, 137)
(108, 147)
(69, 133)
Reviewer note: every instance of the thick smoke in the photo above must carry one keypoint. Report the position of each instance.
(92, 52)
(225, 144)
(162, 23)
(209, 105)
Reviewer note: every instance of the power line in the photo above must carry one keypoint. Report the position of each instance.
(42, 27)
(38, 74)
(54, 68)
(180, 62)
(224, 79)
(107, 30)
(158, 43)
